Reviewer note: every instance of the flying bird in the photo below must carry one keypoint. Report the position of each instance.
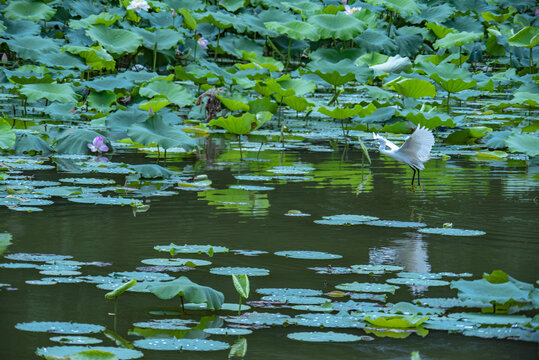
(414, 152)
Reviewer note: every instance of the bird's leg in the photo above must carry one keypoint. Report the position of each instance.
(419, 181)
(413, 178)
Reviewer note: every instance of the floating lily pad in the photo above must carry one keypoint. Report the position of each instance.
(376, 268)
(293, 299)
(36, 257)
(492, 319)
(323, 336)
(224, 307)
(18, 266)
(88, 181)
(328, 321)
(289, 292)
(447, 303)
(345, 219)
(58, 327)
(312, 255)
(504, 333)
(76, 340)
(416, 275)
(166, 324)
(396, 224)
(253, 177)
(64, 351)
(411, 309)
(255, 318)
(444, 323)
(180, 344)
(367, 287)
(249, 252)
(296, 213)
(176, 262)
(252, 187)
(191, 249)
(451, 231)
(240, 271)
(417, 282)
(227, 331)
(60, 272)
(329, 270)
(106, 200)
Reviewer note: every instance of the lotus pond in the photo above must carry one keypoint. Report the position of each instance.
(198, 179)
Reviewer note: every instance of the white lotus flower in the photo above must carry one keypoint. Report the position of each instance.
(138, 5)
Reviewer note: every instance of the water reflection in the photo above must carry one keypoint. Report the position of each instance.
(410, 253)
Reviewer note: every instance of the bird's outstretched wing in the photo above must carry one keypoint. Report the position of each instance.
(386, 141)
(419, 144)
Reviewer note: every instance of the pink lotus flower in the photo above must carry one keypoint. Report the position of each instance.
(98, 145)
(138, 5)
(202, 42)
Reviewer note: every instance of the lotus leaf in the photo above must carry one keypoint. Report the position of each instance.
(492, 319)
(314, 255)
(60, 327)
(415, 88)
(341, 320)
(525, 143)
(319, 336)
(152, 171)
(297, 30)
(503, 333)
(176, 262)
(180, 344)
(255, 318)
(7, 136)
(457, 39)
(75, 141)
(527, 37)
(367, 287)
(155, 130)
(76, 340)
(338, 112)
(242, 125)
(485, 292)
(96, 57)
(292, 299)
(402, 7)
(376, 41)
(417, 282)
(52, 92)
(338, 26)
(394, 64)
(159, 39)
(101, 101)
(68, 351)
(345, 219)
(410, 309)
(397, 321)
(188, 290)
(116, 41)
(451, 231)
(396, 224)
(175, 93)
(104, 18)
(239, 271)
(31, 11)
(227, 331)
(241, 284)
(288, 292)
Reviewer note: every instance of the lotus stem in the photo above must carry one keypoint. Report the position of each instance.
(241, 151)
(154, 55)
(448, 108)
(390, 21)
(288, 57)
(531, 61)
(239, 307)
(460, 56)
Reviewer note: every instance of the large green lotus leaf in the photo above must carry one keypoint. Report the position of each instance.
(232, 5)
(234, 103)
(339, 112)
(339, 26)
(525, 143)
(401, 7)
(7, 136)
(272, 87)
(157, 103)
(75, 141)
(190, 291)
(264, 104)
(121, 120)
(297, 30)
(152, 171)
(430, 120)
(338, 74)
(397, 321)
(235, 46)
(527, 37)
(32, 47)
(27, 143)
(298, 103)
(484, 291)
(32, 11)
(394, 64)
(58, 327)
(222, 20)
(437, 13)
(304, 7)
(526, 98)
(104, 18)
(164, 39)
(453, 85)
(96, 57)
(155, 130)
(52, 92)
(61, 60)
(21, 28)
(116, 41)
(375, 41)
(300, 86)
(175, 93)
(109, 83)
(456, 39)
(243, 124)
(415, 88)
(260, 62)
(444, 71)
(27, 77)
(101, 101)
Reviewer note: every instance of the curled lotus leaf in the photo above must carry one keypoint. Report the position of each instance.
(188, 290)
(115, 41)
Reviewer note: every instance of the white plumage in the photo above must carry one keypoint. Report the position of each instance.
(414, 152)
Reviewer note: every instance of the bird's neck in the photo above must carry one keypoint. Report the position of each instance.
(383, 148)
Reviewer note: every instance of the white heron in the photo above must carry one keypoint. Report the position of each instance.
(414, 152)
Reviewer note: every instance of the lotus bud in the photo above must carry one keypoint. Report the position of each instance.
(150, 112)
(174, 13)
(4, 58)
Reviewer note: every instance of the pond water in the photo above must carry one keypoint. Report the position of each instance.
(497, 197)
